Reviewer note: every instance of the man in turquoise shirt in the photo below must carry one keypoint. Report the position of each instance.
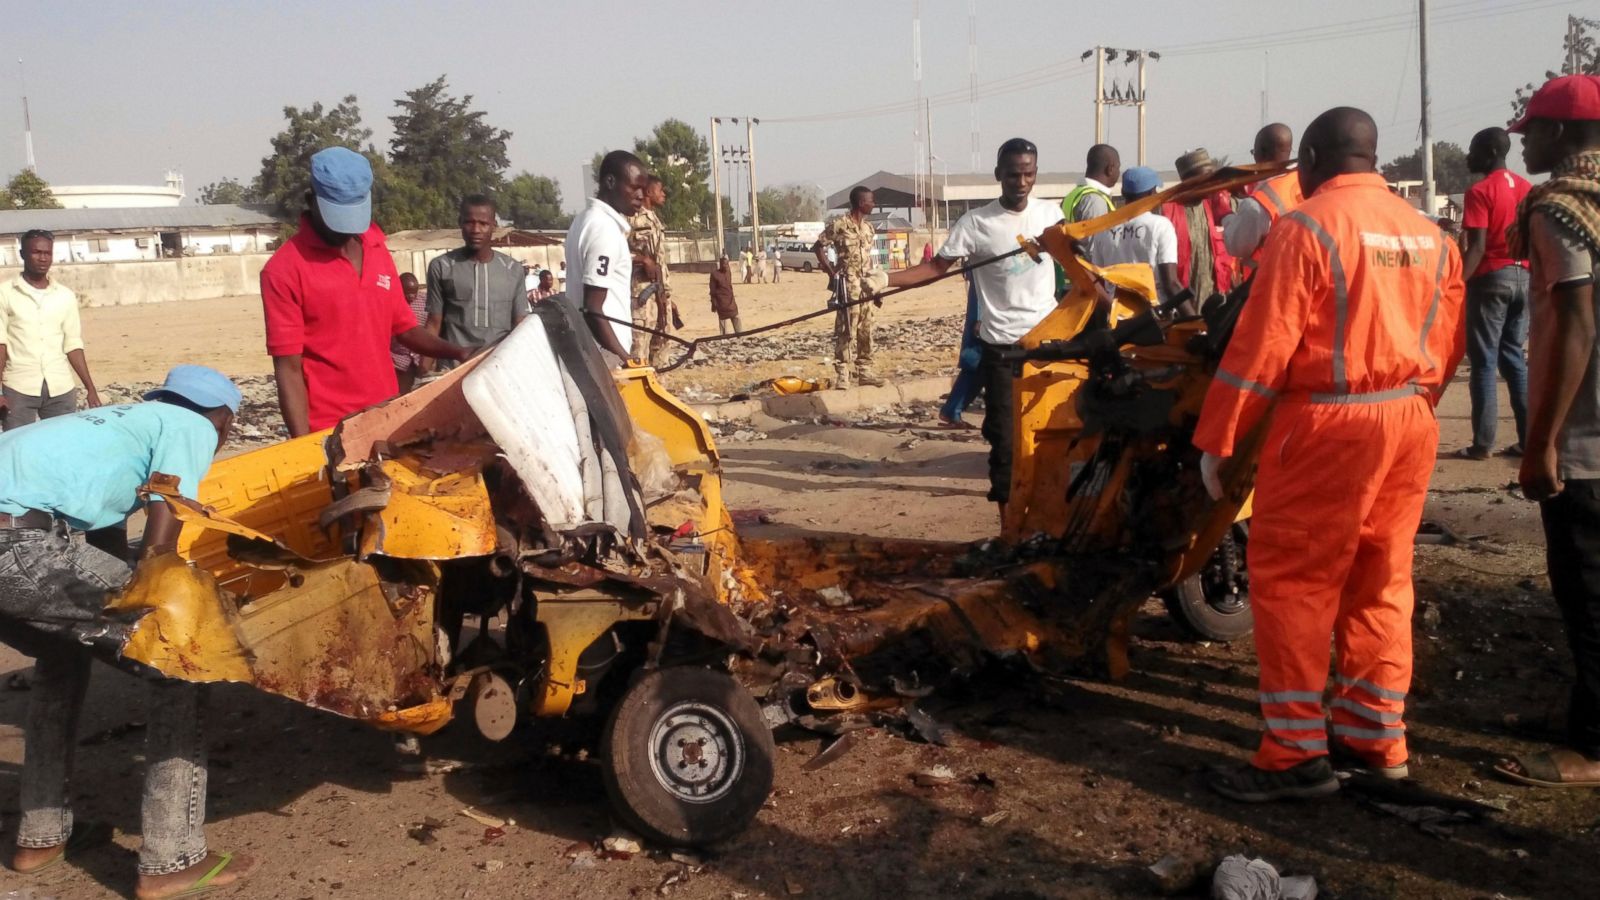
(58, 478)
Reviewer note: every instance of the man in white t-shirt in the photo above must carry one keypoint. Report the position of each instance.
(1147, 238)
(1013, 295)
(597, 248)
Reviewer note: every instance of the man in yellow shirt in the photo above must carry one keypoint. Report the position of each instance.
(41, 341)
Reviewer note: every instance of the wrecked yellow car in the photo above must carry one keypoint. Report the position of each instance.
(534, 535)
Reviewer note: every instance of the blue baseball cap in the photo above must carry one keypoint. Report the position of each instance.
(1139, 180)
(342, 180)
(205, 388)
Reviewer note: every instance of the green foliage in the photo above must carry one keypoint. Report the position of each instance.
(286, 172)
(682, 159)
(789, 203)
(533, 201)
(1450, 175)
(399, 203)
(227, 191)
(446, 149)
(1580, 56)
(26, 190)
(442, 150)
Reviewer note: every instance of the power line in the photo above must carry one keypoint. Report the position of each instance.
(1350, 29)
(1449, 13)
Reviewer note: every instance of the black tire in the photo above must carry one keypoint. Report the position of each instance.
(806, 268)
(644, 750)
(1206, 604)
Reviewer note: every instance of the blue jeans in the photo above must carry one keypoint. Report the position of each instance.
(968, 381)
(55, 577)
(1497, 330)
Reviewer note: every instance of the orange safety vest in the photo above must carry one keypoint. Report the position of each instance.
(1358, 300)
(1278, 197)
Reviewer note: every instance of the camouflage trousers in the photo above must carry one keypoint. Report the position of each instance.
(852, 340)
(647, 314)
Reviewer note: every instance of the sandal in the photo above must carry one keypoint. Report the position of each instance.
(208, 881)
(1474, 453)
(1248, 784)
(85, 836)
(1544, 769)
(1514, 451)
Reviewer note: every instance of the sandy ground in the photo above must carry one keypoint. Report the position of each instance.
(139, 343)
(1065, 791)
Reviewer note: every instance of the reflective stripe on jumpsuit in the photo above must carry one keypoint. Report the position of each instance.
(1355, 316)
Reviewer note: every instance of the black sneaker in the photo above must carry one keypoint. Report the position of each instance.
(1248, 784)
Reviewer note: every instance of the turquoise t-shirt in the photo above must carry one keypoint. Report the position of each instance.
(88, 467)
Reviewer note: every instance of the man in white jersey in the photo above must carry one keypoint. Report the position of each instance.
(1013, 295)
(597, 252)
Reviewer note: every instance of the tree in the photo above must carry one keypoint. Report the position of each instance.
(533, 201)
(399, 203)
(446, 149)
(1581, 56)
(677, 154)
(1450, 175)
(26, 190)
(790, 203)
(286, 174)
(226, 191)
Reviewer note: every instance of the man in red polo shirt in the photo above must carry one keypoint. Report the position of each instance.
(333, 300)
(1497, 292)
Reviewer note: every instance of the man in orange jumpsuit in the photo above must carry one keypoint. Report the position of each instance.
(1351, 332)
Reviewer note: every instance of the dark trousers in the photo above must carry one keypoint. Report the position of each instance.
(998, 429)
(1497, 329)
(26, 409)
(1572, 552)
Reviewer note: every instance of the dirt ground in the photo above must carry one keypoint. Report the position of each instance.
(138, 343)
(1067, 789)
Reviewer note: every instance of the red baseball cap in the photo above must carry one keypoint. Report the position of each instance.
(1568, 98)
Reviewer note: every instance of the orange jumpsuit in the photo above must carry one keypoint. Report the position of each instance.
(1355, 319)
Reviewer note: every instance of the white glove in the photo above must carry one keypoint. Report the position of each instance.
(1211, 474)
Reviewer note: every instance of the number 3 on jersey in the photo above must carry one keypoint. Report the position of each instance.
(605, 266)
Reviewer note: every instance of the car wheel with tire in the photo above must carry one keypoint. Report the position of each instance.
(806, 268)
(688, 757)
(1214, 603)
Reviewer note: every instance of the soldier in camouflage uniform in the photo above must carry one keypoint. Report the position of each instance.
(647, 240)
(852, 238)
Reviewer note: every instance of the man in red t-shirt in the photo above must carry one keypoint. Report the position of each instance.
(333, 300)
(1497, 293)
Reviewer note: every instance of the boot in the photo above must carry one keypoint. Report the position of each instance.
(865, 378)
(841, 377)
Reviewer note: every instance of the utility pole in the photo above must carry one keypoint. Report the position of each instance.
(930, 210)
(1134, 97)
(918, 138)
(1266, 62)
(1574, 62)
(716, 184)
(972, 84)
(1099, 94)
(1141, 107)
(755, 208)
(1428, 205)
(27, 120)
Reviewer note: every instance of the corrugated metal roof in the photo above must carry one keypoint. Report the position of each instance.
(157, 218)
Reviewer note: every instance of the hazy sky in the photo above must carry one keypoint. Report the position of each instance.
(120, 92)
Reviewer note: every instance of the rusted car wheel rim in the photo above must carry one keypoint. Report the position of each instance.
(697, 753)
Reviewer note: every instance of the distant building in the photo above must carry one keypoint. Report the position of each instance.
(122, 234)
(120, 196)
